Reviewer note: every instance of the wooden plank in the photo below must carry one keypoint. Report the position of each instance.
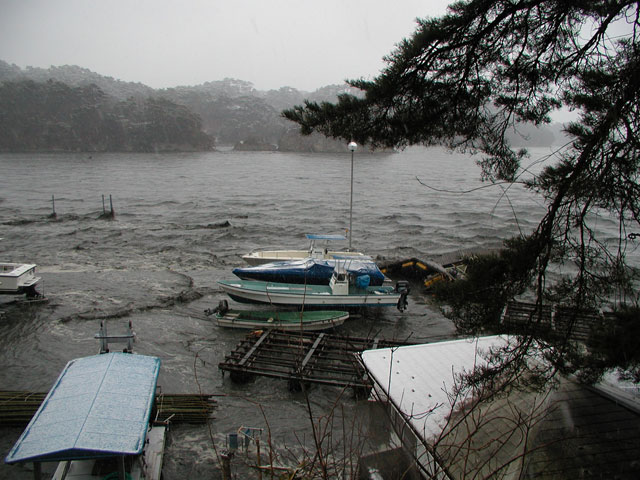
(254, 348)
(311, 351)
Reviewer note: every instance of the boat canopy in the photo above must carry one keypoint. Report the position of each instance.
(313, 236)
(98, 407)
(15, 269)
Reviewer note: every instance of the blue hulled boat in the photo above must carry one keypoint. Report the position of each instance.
(311, 271)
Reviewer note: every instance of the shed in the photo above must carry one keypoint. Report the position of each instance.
(566, 431)
(98, 407)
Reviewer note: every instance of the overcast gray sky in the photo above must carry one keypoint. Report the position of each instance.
(304, 44)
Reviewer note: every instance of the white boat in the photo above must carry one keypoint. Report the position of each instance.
(343, 292)
(95, 421)
(19, 278)
(314, 251)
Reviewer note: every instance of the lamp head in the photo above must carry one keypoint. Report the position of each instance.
(352, 146)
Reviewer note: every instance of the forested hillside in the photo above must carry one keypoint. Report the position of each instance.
(70, 108)
(54, 116)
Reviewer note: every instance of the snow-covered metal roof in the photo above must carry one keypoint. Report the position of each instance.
(419, 379)
(99, 406)
(525, 433)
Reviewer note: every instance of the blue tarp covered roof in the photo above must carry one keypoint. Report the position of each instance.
(99, 406)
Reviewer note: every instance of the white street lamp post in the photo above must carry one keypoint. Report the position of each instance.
(352, 147)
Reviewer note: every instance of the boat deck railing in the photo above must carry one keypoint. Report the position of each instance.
(127, 338)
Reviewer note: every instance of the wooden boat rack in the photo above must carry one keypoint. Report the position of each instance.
(303, 358)
(17, 407)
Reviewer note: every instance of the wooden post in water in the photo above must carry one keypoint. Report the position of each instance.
(258, 458)
(53, 215)
(226, 465)
(111, 215)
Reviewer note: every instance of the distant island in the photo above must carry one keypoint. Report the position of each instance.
(72, 109)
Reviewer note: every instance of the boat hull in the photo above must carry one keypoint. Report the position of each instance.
(17, 278)
(289, 321)
(247, 291)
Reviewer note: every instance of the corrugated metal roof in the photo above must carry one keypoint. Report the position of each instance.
(99, 406)
(419, 379)
(565, 430)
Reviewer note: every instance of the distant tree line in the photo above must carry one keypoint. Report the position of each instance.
(53, 116)
(69, 108)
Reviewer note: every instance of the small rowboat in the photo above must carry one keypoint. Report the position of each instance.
(280, 320)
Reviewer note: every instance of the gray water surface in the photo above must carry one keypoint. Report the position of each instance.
(182, 221)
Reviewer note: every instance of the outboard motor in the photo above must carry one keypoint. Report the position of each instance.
(222, 308)
(402, 287)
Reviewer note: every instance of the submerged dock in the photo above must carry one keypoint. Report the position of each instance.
(303, 358)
